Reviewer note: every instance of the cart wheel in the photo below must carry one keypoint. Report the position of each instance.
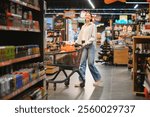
(66, 83)
(82, 85)
(54, 86)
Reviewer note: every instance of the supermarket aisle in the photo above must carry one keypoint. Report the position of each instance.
(117, 86)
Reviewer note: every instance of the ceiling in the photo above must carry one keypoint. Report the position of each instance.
(84, 4)
(58, 6)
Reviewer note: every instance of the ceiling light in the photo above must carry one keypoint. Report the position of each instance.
(136, 6)
(137, 3)
(92, 5)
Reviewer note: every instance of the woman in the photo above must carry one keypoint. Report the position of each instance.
(87, 37)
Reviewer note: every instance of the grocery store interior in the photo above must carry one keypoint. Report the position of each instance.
(40, 58)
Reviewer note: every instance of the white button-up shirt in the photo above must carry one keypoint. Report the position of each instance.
(87, 34)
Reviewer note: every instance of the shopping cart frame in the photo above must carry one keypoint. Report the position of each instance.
(62, 67)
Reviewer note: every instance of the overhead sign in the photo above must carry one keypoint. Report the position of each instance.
(82, 14)
(112, 1)
(123, 17)
(69, 14)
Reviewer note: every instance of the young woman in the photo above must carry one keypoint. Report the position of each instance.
(87, 37)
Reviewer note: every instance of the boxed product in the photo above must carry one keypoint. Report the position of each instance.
(36, 25)
(25, 75)
(19, 9)
(12, 8)
(17, 22)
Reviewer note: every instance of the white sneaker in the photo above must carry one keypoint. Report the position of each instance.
(98, 83)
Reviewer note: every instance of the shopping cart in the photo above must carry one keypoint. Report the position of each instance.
(65, 61)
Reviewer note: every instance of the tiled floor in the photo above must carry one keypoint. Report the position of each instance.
(117, 86)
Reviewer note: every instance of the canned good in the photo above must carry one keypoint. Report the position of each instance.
(2, 87)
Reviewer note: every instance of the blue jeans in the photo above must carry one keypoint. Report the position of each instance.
(89, 53)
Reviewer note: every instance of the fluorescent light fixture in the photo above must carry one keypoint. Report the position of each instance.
(136, 6)
(92, 5)
(137, 3)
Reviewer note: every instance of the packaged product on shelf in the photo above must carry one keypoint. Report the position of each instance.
(19, 9)
(24, 24)
(25, 75)
(12, 8)
(7, 84)
(2, 86)
(25, 15)
(34, 75)
(37, 93)
(36, 25)
(17, 52)
(21, 51)
(19, 82)
(9, 20)
(30, 71)
(30, 24)
(17, 22)
(7, 53)
(12, 83)
(10, 52)
(42, 69)
(29, 49)
(30, 15)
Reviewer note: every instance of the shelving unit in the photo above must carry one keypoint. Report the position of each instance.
(25, 4)
(139, 40)
(16, 36)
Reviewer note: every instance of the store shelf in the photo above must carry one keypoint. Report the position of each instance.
(12, 28)
(143, 54)
(18, 91)
(33, 30)
(14, 15)
(139, 92)
(25, 4)
(141, 37)
(139, 40)
(9, 62)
